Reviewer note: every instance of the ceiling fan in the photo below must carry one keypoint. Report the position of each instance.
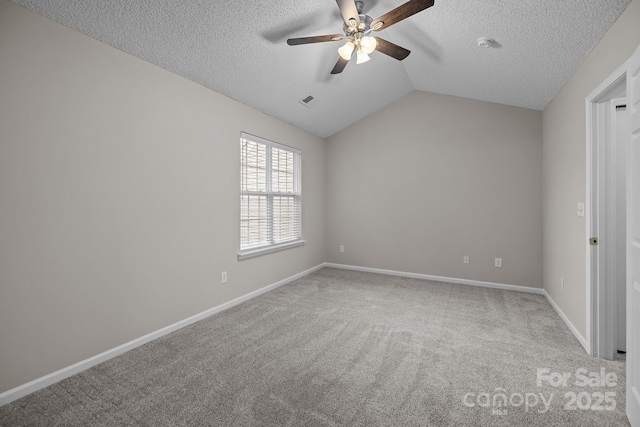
(357, 28)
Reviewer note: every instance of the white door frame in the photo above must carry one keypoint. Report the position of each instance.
(633, 248)
(599, 300)
(617, 210)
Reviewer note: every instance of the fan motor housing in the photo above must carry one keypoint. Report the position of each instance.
(365, 25)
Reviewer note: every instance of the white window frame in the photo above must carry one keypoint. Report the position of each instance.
(271, 246)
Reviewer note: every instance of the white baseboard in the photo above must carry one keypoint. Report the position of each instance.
(45, 381)
(440, 279)
(564, 317)
(527, 289)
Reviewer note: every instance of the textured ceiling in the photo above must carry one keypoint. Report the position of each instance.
(239, 48)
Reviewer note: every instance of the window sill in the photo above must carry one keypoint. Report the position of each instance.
(252, 253)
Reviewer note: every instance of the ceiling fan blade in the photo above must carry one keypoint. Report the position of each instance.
(391, 49)
(399, 13)
(315, 39)
(339, 67)
(349, 11)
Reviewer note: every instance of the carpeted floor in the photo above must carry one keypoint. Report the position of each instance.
(345, 348)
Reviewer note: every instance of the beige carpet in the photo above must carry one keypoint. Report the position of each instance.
(344, 348)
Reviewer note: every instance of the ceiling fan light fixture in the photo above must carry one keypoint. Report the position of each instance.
(346, 51)
(362, 57)
(356, 28)
(368, 44)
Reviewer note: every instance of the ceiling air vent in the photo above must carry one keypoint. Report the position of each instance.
(308, 101)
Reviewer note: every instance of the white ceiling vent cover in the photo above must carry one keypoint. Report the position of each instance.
(308, 101)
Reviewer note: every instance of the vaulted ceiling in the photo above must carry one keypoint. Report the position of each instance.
(238, 48)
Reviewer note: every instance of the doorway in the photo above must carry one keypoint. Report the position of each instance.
(607, 139)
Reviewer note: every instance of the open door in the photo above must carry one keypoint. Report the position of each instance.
(633, 241)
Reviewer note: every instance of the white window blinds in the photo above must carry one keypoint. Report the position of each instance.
(270, 196)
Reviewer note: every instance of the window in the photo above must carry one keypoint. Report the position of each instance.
(270, 197)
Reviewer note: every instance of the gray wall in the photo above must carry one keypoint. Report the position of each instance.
(430, 178)
(119, 206)
(564, 136)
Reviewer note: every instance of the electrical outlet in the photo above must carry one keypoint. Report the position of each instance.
(223, 277)
(562, 283)
(341, 248)
(465, 259)
(498, 263)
